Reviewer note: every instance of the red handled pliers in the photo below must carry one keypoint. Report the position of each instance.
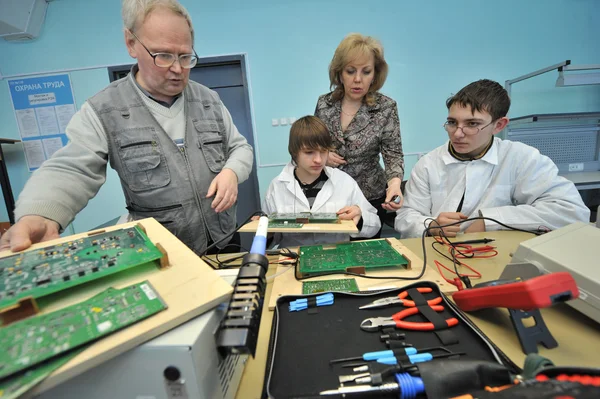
(397, 320)
(400, 300)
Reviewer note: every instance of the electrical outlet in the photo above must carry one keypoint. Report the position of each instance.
(274, 122)
(576, 167)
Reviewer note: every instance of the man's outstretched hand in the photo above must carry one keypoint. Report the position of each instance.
(29, 230)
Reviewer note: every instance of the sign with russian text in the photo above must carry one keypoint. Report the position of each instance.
(43, 107)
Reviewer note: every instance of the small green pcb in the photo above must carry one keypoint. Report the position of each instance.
(16, 385)
(285, 225)
(304, 217)
(340, 285)
(44, 271)
(39, 338)
(315, 259)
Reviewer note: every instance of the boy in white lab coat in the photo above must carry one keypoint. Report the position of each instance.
(475, 174)
(306, 184)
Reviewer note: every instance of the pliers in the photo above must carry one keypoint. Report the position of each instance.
(397, 320)
(399, 300)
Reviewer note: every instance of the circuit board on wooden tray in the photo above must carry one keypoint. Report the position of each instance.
(304, 217)
(285, 225)
(316, 259)
(39, 338)
(44, 271)
(16, 385)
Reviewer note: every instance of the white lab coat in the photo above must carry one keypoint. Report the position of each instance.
(513, 183)
(285, 196)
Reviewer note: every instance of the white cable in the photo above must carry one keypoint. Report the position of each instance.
(289, 267)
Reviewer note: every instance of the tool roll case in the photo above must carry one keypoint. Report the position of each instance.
(303, 343)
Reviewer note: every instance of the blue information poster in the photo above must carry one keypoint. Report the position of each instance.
(43, 107)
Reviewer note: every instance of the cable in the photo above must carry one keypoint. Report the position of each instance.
(257, 213)
(539, 231)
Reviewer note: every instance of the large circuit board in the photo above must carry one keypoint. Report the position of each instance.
(315, 259)
(304, 217)
(39, 338)
(40, 272)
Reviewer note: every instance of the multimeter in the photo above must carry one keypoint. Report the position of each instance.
(535, 293)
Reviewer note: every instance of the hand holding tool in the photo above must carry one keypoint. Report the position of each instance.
(400, 300)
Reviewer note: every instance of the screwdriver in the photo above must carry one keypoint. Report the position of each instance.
(382, 354)
(418, 358)
(407, 387)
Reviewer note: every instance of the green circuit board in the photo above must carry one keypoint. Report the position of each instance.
(315, 259)
(16, 385)
(39, 338)
(339, 285)
(44, 271)
(285, 225)
(304, 217)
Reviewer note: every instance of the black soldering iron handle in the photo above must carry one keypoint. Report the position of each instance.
(239, 329)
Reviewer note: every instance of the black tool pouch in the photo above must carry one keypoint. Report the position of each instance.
(302, 344)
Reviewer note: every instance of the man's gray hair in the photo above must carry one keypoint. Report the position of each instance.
(135, 12)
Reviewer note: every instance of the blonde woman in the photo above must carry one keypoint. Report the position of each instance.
(363, 122)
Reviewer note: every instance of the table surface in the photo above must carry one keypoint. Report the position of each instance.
(578, 336)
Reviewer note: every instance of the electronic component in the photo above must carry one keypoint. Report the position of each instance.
(285, 225)
(304, 217)
(14, 387)
(339, 285)
(315, 259)
(44, 271)
(39, 338)
(146, 371)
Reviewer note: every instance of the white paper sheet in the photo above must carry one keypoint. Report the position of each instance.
(27, 122)
(46, 117)
(51, 146)
(34, 152)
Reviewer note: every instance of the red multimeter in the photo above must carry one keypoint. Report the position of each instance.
(535, 293)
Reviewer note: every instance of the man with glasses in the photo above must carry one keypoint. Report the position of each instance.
(172, 142)
(476, 174)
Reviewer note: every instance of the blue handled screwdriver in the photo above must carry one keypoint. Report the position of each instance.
(416, 358)
(382, 354)
(407, 387)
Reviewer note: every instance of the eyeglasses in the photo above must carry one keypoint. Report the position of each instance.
(165, 60)
(451, 127)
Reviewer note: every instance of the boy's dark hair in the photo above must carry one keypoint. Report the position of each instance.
(483, 95)
(309, 133)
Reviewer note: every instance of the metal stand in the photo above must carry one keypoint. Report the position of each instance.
(530, 337)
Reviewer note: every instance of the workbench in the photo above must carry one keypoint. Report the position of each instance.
(577, 335)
